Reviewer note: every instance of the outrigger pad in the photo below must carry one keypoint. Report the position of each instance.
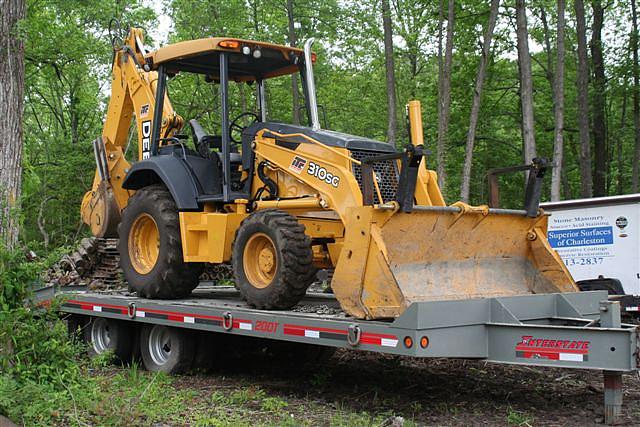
(392, 259)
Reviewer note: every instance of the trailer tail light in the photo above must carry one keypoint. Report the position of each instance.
(408, 342)
(424, 342)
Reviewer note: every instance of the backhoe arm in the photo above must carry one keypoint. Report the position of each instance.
(133, 93)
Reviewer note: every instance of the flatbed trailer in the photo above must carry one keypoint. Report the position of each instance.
(571, 330)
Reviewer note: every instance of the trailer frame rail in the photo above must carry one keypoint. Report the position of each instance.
(581, 330)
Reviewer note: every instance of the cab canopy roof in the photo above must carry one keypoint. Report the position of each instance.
(202, 56)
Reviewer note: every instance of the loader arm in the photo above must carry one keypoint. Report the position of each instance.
(133, 94)
(413, 248)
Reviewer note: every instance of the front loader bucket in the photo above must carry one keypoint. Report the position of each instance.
(391, 259)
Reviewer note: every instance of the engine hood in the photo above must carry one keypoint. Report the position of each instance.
(328, 137)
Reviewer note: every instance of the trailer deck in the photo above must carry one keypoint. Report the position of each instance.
(573, 330)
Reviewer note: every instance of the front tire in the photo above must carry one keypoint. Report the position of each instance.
(150, 247)
(272, 260)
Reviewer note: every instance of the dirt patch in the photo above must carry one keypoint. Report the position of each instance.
(428, 392)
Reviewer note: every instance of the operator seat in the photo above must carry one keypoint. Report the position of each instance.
(205, 142)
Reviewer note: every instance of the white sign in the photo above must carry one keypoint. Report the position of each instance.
(598, 241)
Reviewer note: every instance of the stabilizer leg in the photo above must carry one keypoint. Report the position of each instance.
(610, 318)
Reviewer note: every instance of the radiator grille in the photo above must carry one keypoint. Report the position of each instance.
(386, 171)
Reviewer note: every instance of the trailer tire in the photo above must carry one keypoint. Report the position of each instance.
(102, 335)
(166, 349)
(272, 260)
(155, 272)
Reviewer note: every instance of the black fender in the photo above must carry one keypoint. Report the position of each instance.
(169, 170)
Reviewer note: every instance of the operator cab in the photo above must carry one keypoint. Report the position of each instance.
(221, 60)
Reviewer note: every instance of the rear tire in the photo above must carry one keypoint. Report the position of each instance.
(272, 260)
(166, 349)
(150, 247)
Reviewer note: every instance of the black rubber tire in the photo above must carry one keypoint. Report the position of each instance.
(121, 338)
(171, 277)
(294, 271)
(181, 350)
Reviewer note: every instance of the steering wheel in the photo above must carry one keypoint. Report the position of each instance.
(235, 126)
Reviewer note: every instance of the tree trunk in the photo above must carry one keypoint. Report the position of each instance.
(623, 125)
(582, 86)
(547, 45)
(599, 102)
(635, 177)
(295, 96)
(11, 105)
(440, 155)
(444, 98)
(41, 221)
(477, 97)
(392, 121)
(558, 102)
(526, 83)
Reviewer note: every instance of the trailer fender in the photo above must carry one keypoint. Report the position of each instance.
(170, 171)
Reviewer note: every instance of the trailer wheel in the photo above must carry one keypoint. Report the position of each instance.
(272, 260)
(104, 335)
(166, 349)
(150, 247)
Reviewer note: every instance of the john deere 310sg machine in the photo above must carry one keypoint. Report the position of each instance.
(280, 201)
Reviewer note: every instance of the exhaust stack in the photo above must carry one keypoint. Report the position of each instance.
(311, 85)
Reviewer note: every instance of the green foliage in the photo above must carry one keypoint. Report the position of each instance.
(68, 54)
(15, 275)
(18, 274)
(37, 347)
(37, 359)
(67, 62)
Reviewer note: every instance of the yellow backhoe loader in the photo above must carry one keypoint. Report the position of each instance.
(279, 201)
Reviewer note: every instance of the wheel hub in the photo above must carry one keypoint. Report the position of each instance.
(260, 260)
(266, 260)
(144, 243)
(159, 345)
(100, 336)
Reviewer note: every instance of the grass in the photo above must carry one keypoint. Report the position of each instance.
(518, 418)
(119, 396)
(47, 380)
